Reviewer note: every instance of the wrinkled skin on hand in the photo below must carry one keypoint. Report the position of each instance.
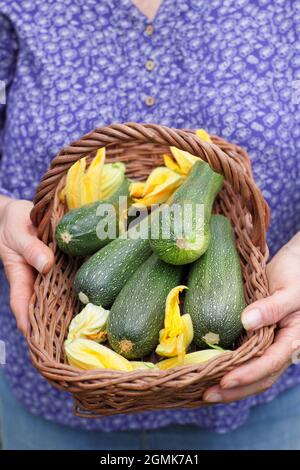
(22, 255)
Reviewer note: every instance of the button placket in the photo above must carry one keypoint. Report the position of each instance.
(149, 29)
(149, 100)
(150, 66)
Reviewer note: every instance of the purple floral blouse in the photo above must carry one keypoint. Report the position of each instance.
(67, 66)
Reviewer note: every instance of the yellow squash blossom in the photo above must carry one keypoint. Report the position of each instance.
(72, 190)
(181, 161)
(90, 187)
(111, 179)
(203, 135)
(137, 189)
(99, 181)
(178, 332)
(160, 185)
(88, 355)
(90, 323)
(197, 357)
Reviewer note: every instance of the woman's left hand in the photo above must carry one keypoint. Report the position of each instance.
(282, 307)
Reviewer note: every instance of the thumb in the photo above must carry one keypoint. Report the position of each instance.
(35, 252)
(272, 309)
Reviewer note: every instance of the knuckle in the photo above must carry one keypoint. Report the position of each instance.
(272, 313)
(276, 366)
(30, 250)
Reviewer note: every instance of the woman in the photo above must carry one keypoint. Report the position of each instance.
(230, 67)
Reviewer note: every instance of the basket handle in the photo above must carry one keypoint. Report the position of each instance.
(224, 158)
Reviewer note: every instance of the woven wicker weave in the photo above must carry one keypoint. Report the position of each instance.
(106, 392)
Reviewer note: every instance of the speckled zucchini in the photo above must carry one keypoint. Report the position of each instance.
(197, 192)
(100, 278)
(215, 296)
(76, 233)
(137, 315)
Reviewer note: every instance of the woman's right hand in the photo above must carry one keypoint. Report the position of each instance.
(22, 254)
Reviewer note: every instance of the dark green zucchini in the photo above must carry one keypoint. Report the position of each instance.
(215, 296)
(100, 278)
(190, 212)
(76, 234)
(137, 314)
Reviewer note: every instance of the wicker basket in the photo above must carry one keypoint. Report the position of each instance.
(106, 392)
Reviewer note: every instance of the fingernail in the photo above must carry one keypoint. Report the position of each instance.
(230, 384)
(213, 397)
(252, 319)
(41, 262)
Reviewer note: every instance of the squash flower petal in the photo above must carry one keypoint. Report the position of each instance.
(180, 161)
(197, 357)
(111, 179)
(88, 355)
(158, 188)
(90, 323)
(92, 178)
(178, 333)
(136, 189)
(203, 135)
(96, 183)
(73, 184)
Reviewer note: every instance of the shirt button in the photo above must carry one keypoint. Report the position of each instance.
(150, 100)
(149, 30)
(150, 65)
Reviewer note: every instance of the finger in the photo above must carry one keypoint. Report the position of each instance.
(35, 252)
(275, 358)
(217, 394)
(272, 309)
(20, 236)
(21, 279)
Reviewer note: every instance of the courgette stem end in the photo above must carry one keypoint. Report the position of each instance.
(66, 237)
(83, 298)
(126, 346)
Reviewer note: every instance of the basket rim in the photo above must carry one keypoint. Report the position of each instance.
(78, 375)
(221, 156)
(156, 134)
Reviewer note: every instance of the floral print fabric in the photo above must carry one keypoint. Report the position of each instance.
(231, 67)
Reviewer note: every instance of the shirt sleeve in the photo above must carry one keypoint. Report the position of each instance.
(8, 57)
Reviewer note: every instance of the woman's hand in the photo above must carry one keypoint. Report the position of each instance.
(283, 306)
(21, 251)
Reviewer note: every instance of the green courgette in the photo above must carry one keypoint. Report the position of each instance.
(181, 233)
(77, 235)
(137, 314)
(102, 276)
(215, 296)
